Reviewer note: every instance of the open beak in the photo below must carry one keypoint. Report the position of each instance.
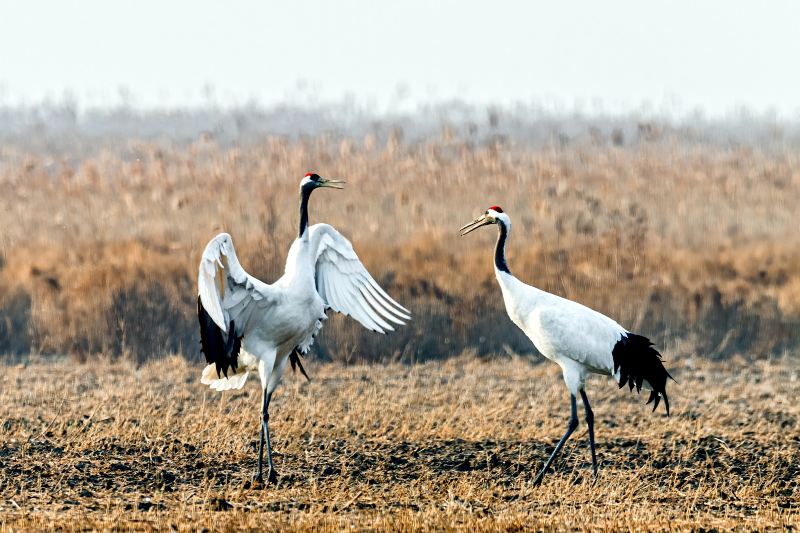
(333, 184)
(482, 220)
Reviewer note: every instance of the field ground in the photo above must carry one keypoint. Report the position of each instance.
(439, 445)
(686, 235)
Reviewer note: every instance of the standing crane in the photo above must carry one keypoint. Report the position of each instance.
(580, 340)
(247, 325)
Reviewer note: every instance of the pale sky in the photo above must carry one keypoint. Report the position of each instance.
(595, 56)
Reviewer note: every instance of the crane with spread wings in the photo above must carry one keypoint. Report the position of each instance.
(247, 325)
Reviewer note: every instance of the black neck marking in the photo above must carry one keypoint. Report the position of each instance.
(305, 194)
(500, 249)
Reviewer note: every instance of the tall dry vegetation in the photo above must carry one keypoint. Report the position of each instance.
(693, 245)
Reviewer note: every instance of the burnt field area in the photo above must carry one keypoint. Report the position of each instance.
(439, 445)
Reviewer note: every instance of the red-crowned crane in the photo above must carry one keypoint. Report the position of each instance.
(248, 325)
(581, 340)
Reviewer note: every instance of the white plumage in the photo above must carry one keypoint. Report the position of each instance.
(580, 340)
(251, 326)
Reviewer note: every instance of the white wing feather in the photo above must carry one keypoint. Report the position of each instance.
(227, 292)
(346, 286)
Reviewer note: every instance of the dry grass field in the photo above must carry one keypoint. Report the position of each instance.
(442, 424)
(679, 240)
(434, 446)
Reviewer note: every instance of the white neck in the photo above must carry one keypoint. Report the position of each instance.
(508, 283)
(520, 298)
(298, 264)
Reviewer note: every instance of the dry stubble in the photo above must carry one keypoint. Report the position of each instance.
(450, 445)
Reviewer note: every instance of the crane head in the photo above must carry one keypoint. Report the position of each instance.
(493, 215)
(313, 181)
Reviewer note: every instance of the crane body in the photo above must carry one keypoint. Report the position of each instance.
(580, 340)
(247, 325)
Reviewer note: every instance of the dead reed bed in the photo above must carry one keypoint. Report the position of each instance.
(695, 246)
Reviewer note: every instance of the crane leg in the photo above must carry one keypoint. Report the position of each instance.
(272, 476)
(590, 422)
(573, 423)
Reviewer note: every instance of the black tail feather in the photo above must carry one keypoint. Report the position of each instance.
(637, 361)
(294, 360)
(224, 353)
(654, 397)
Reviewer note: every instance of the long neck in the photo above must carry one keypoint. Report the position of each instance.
(500, 250)
(305, 194)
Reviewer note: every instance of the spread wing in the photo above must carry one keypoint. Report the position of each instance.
(227, 292)
(227, 297)
(346, 286)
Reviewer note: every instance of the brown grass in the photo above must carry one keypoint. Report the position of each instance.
(435, 446)
(694, 245)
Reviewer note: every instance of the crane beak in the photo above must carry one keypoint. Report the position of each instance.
(333, 184)
(482, 220)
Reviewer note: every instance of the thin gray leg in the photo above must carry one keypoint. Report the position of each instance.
(573, 423)
(590, 422)
(272, 477)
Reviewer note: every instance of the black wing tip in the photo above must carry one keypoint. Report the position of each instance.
(638, 361)
(218, 350)
(655, 398)
(294, 360)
